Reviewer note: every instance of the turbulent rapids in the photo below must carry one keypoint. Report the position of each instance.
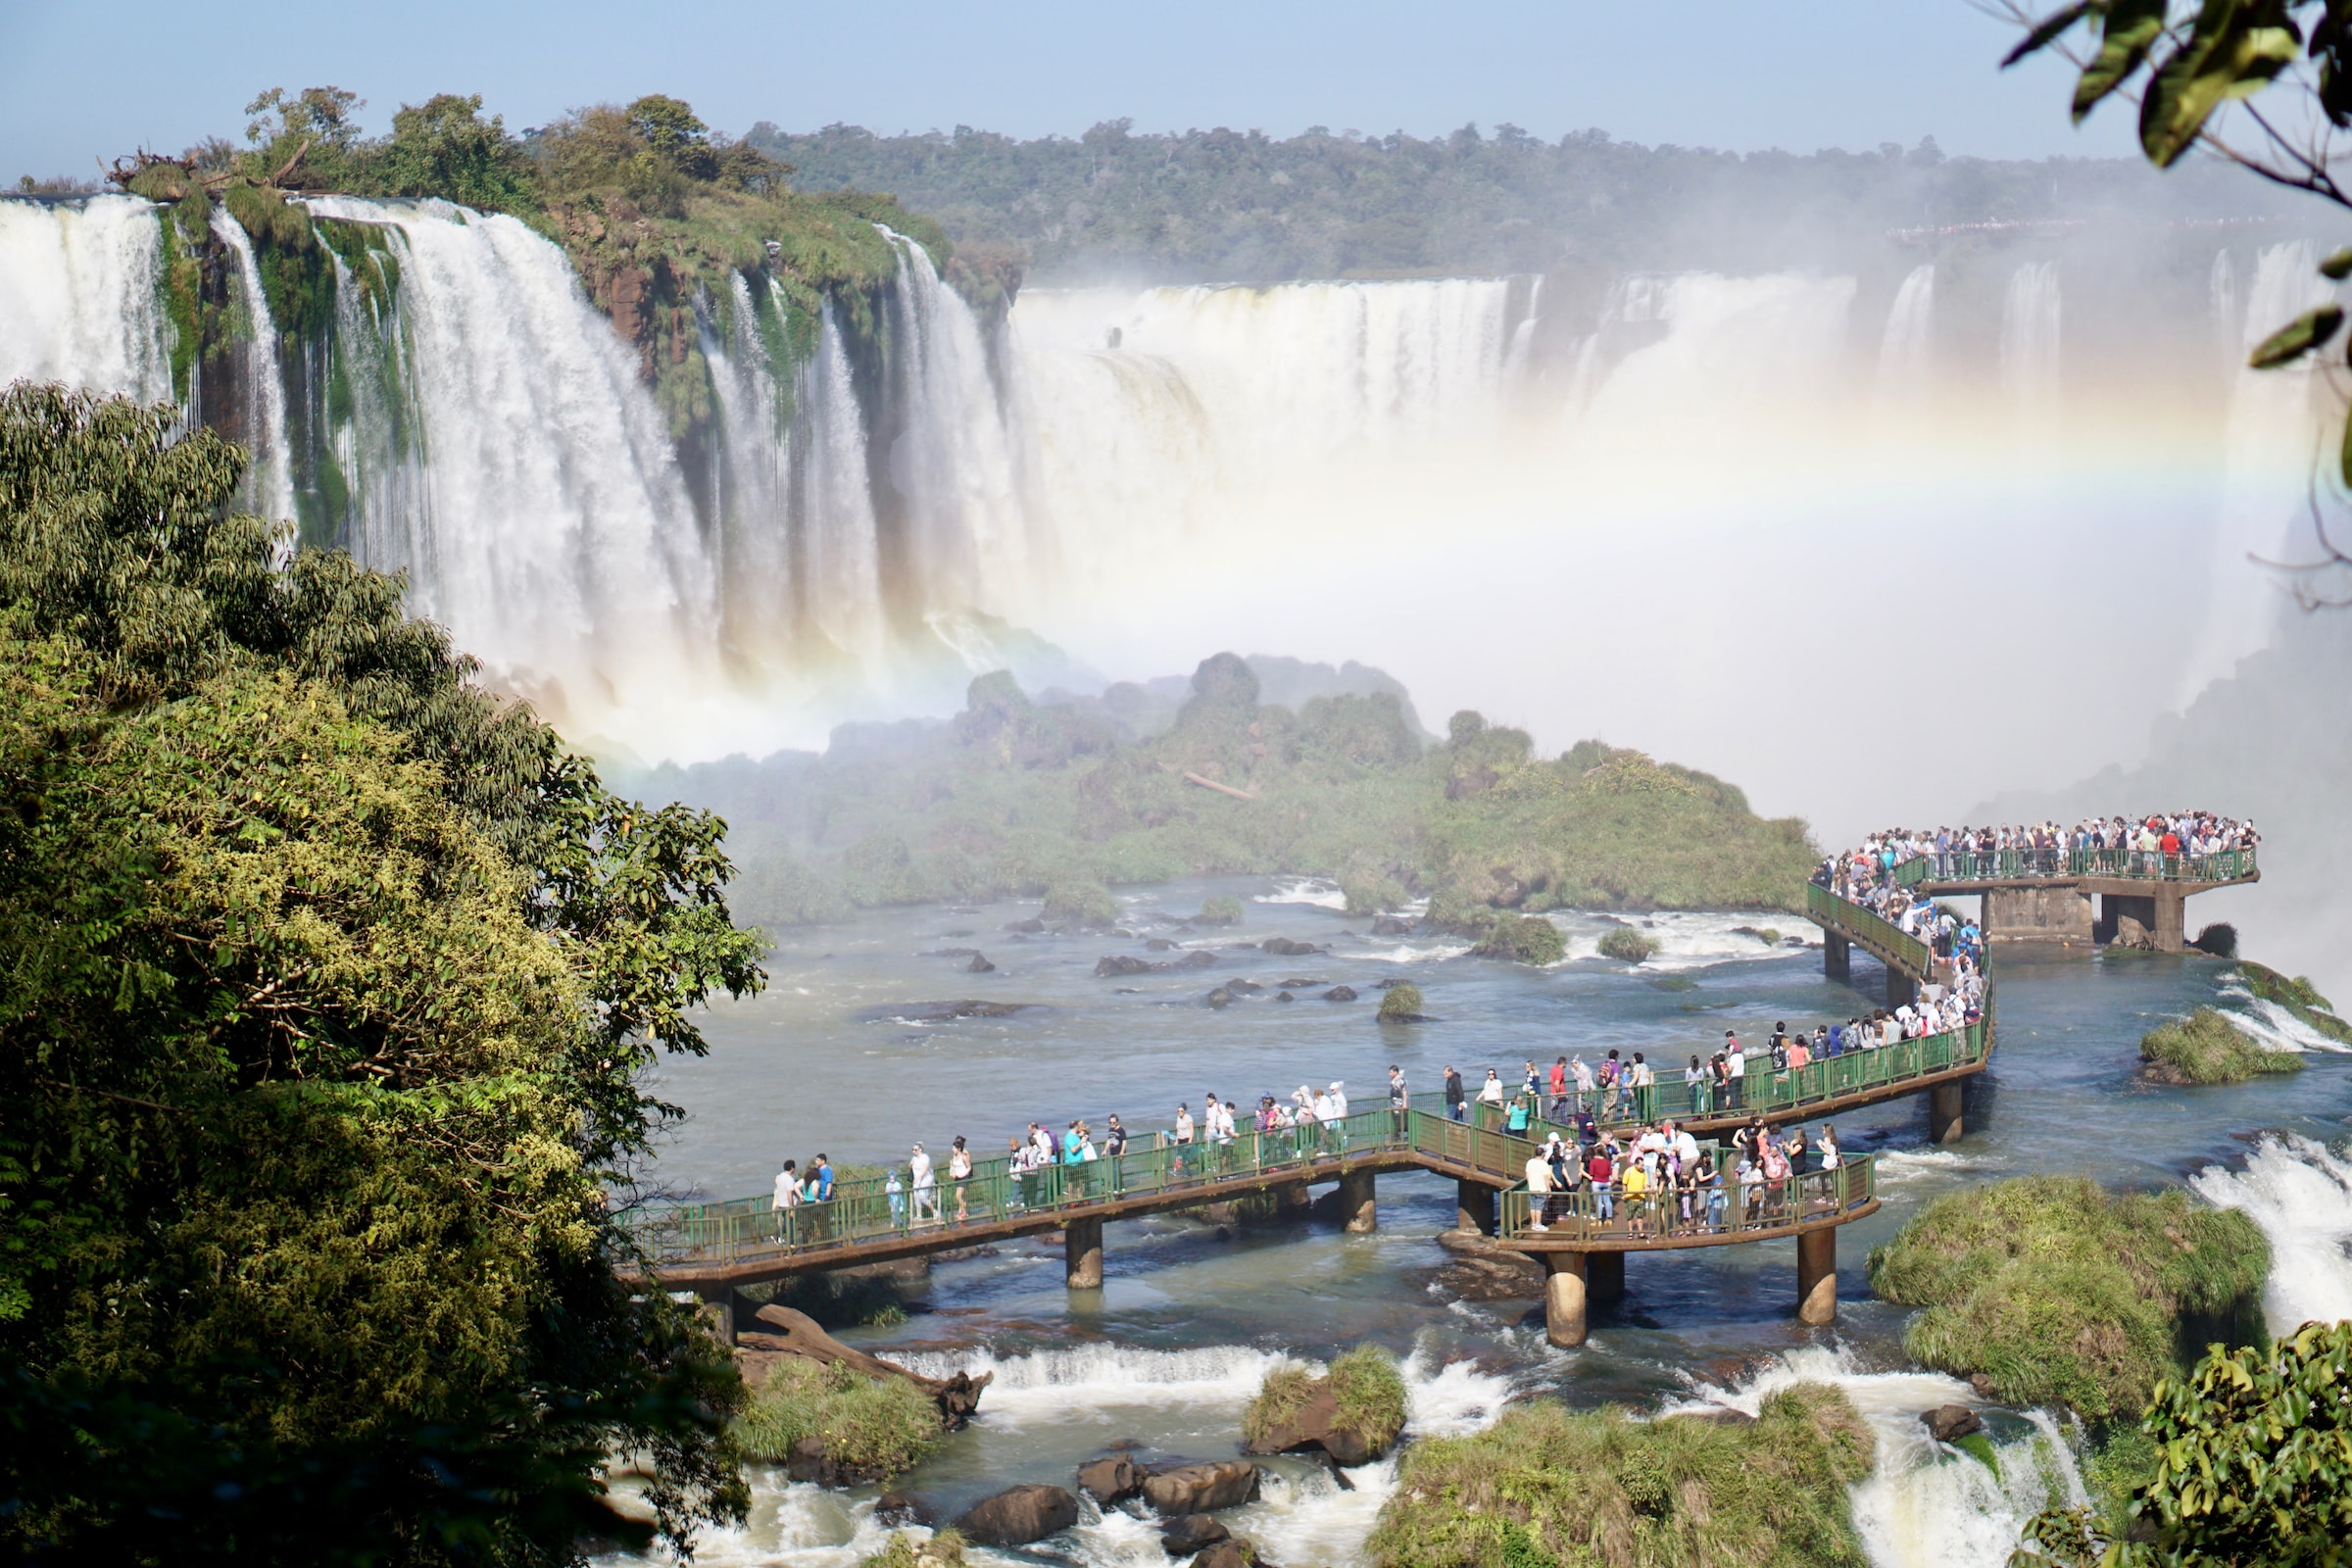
(881, 490)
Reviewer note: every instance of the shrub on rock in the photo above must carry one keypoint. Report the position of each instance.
(1087, 904)
(1354, 1412)
(1224, 910)
(1525, 939)
(2206, 1048)
(852, 1427)
(1625, 943)
(1402, 1004)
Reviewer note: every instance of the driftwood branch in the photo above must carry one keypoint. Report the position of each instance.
(287, 168)
(1221, 789)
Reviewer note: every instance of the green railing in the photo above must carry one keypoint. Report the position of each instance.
(865, 1209)
(1881, 936)
(1765, 1091)
(2129, 865)
(1727, 1207)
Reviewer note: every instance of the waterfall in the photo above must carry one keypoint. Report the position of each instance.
(262, 422)
(1906, 350)
(78, 296)
(2030, 339)
(2273, 441)
(2301, 1195)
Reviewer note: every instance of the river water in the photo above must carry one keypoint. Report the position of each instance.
(839, 1057)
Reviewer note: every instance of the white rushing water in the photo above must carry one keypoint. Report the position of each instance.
(2300, 1192)
(78, 300)
(1926, 1505)
(261, 419)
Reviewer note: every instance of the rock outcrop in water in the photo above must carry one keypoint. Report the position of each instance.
(797, 1335)
(1019, 1515)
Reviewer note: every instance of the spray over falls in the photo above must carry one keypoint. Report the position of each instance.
(862, 499)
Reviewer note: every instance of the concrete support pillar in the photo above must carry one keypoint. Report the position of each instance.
(2170, 912)
(1817, 1276)
(1293, 1198)
(1357, 1210)
(1082, 1254)
(1564, 1298)
(1837, 957)
(1604, 1276)
(1902, 989)
(1943, 1112)
(1473, 1206)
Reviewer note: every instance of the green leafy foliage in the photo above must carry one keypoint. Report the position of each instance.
(943, 1549)
(1525, 938)
(2206, 1048)
(1222, 909)
(2250, 1461)
(1549, 1486)
(1371, 1397)
(330, 982)
(1088, 905)
(1400, 1002)
(2061, 1293)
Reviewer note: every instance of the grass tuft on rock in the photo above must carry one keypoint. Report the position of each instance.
(872, 1428)
(1282, 1396)
(2061, 1293)
(1224, 910)
(1547, 1484)
(1629, 944)
(1402, 1004)
(1370, 1391)
(1523, 937)
(2206, 1048)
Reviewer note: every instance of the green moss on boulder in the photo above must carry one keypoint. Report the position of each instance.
(1224, 910)
(1086, 904)
(2297, 996)
(1402, 1004)
(2206, 1048)
(2061, 1293)
(1527, 939)
(1545, 1484)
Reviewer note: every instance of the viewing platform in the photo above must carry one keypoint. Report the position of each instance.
(2046, 894)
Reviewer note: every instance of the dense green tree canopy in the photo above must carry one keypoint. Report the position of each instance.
(330, 981)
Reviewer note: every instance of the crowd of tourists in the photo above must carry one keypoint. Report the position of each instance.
(1663, 1182)
(2119, 845)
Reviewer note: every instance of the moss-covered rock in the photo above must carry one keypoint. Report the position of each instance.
(943, 1549)
(1545, 1484)
(2061, 1293)
(1086, 905)
(2206, 1048)
(869, 1429)
(1629, 944)
(1402, 1004)
(1525, 938)
(1224, 910)
(1354, 1412)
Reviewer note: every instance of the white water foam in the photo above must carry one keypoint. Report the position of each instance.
(271, 482)
(1319, 892)
(1095, 1383)
(78, 296)
(2300, 1192)
(1692, 939)
(1919, 1165)
(1925, 1505)
(2272, 1026)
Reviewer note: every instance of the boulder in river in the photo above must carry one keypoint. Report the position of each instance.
(899, 1509)
(1284, 996)
(1019, 1515)
(979, 966)
(1950, 1423)
(1122, 964)
(1187, 1534)
(1339, 994)
(1388, 925)
(1201, 1488)
(1220, 997)
(1031, 926)
(1285, 948)
(1160, 945)
(1233, 1552)
(1111, 1479)
(1198, 958)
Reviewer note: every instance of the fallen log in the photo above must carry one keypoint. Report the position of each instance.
(1221, 789)
(798, 1335)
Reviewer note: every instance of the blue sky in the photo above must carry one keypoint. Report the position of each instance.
(89, 79)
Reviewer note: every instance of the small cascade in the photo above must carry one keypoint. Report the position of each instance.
(1926, 1506)
(1906, 350)
(2030, 352)
(79, 300)
(2300, 1192)
(262, 422)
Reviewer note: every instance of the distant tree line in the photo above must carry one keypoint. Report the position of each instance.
(1228, 205)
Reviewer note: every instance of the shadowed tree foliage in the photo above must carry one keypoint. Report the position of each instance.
(331, 978)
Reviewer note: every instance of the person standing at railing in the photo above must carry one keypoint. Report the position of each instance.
(1710, 1186)
(1583, 1074)
(1184, 1136)
(1557, 1110)
(1601, 1169)
(1645, 1088)
(1515, 1119)
(1633, 1184)
(1694, 1082)
(1401, 1101)
(959, 1172)
(1490, 1093)
(1454, 1107)
(1539, 1190)
(1734, 1071)
(788, 1198)
(894, 1190)
(926, 1184)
